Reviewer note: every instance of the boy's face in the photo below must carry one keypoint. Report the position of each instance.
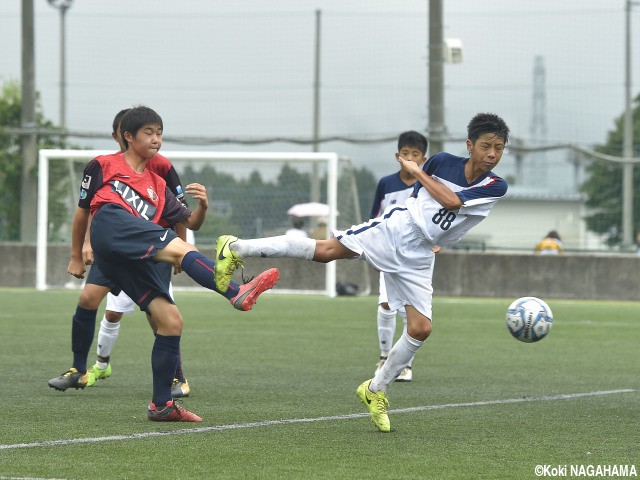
(147, 140)
(486, 152)
(412, 154)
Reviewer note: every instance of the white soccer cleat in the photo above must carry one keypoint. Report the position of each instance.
(406, 375)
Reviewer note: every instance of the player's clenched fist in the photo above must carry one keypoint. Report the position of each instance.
(76, 268)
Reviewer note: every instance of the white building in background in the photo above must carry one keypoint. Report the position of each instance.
(525, 216)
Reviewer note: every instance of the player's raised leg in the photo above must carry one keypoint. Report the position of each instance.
(230, 251)
(202, 269)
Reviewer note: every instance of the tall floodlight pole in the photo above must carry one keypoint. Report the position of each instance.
(437, 127)
(315, 181)
(28, 187)
(62, 6)
(627, 169)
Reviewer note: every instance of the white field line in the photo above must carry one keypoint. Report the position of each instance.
(29, 478)
(268, 423)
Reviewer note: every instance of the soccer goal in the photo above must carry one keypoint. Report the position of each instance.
(250, 195)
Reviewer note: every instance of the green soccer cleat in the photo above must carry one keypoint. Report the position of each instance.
(95, 373)
(226, 262)
(69, 379)
(377, 404)
(180, 389)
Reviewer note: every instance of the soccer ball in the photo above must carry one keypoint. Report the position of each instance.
(529, 319)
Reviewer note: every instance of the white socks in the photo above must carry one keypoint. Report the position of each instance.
(281, 246)
(107, 337)
(386, 330)
(400, 356)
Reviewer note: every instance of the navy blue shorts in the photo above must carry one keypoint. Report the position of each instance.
(96, 277)
(124, 247)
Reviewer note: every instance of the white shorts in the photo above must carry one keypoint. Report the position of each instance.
(394, 245)
(382, 290)
(121, 303)
(384, 298)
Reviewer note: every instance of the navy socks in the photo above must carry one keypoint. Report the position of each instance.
(164, 360)
(201, 269)
(82, 330)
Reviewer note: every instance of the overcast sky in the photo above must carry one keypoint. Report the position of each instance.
(245, 68)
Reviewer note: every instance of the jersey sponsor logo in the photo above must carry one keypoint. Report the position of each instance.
(152, 194)
(144, 208)
(86, 181)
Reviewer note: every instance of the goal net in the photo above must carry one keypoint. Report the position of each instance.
(249, 196)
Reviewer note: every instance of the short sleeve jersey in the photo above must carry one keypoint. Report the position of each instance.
(110, 179)
(446, 227)
(391, 190)
(162, 166)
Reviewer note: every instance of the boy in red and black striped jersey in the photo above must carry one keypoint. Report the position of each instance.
(133, 211)
(97, 286)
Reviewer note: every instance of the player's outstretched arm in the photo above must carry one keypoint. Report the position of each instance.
(439, 192)
(197, 217)
(78, 231)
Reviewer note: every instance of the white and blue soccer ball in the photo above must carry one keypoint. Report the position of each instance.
(529, 319)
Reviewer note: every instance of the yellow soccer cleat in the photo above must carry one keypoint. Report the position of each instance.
(377, 404)
(226, 262)
(180, 389)
(95, 373)
(72, 378)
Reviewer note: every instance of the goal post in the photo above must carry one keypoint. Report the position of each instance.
(249, 195)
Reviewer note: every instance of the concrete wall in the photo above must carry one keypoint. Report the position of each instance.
(457, 273)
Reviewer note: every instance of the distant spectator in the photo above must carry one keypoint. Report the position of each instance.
(297, 230)
(550, 245)
(320, 232)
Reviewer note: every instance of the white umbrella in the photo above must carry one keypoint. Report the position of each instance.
(311, 209)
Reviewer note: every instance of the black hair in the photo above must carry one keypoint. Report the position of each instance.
(136, 118)
(298, 222)
(487, 123)
(413, 139)
(118, 118)
(553, 234)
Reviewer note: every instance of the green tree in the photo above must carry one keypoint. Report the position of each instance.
(11, 161)
(604, 185)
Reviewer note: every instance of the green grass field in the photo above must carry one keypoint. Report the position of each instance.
(276, 389)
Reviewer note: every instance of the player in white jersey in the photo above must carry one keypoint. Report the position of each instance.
(452, 195)
(394, 189)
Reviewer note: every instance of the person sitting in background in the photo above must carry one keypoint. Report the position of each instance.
(550, 245)
(297, 229)
(320, 232)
